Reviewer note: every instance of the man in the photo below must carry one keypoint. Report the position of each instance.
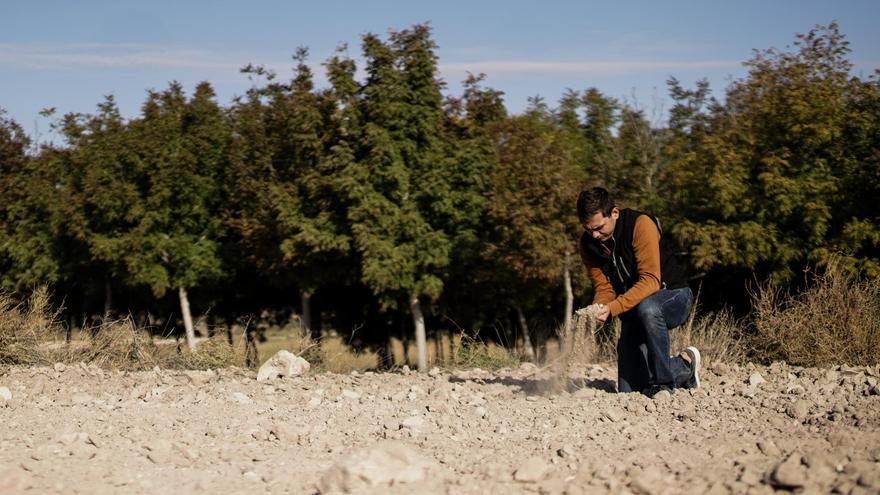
(636, 278)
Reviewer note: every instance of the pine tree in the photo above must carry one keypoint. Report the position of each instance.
(29, 229)
(399, 161)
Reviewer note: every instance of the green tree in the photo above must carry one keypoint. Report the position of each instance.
(399, 163)
(169, 230)
(759, 177)
(532, 191)
(29, 228)
(100, 177)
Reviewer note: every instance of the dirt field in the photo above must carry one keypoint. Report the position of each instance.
(77, 429)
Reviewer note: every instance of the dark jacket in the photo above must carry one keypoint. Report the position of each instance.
(621, 267)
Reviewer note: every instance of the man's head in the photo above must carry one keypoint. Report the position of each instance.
(597, 213)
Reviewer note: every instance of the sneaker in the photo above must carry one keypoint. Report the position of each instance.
(693, 356)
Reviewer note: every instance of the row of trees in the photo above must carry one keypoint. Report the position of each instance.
(381, 198)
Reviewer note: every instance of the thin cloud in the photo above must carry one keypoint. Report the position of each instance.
(527, 67)
(115, 56)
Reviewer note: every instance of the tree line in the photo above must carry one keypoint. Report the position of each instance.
(390, 206)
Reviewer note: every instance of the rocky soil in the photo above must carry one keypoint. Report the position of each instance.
(78, 429)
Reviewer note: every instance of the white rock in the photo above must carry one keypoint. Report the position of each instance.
(756, 380)
(241, 398)
(531, 471)
(661, 396)
(5, 395)
(412, 423)
(789, 473)
(388, 463)
(351, 394)
(282, 364)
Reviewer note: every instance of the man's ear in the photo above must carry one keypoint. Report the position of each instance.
(615, 212)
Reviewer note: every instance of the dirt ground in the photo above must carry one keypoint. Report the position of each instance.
(78, 429)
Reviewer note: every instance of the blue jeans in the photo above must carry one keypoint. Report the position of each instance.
(643, 348)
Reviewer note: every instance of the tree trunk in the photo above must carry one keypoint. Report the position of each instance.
(421, 341)
(229, 337)
(306, 317)
(404, 338)
(569, 295)
(251, 355)
(527, 341)
(438, 348)
(187, 319)
(108, 297)
(384, 352)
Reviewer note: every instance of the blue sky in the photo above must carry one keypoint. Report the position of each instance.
(68, 55)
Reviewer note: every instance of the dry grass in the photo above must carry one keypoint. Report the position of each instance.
(835, 321)
(470, 352)
(32, 335)
(718, 336)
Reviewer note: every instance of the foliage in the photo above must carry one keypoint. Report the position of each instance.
(370, 194)
(757, 181)
(30, 232)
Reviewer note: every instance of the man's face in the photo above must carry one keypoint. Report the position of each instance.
(600, 226)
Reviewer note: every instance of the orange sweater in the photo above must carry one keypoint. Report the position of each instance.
(646, 246)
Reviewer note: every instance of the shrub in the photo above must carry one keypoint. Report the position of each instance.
(835, 320)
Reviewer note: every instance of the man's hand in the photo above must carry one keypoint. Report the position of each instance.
(598, 311)
(602, 312)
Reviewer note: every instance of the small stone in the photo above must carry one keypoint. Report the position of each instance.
(584, 393)
(662, 396)
(315, 402)
(412, 423)
(386, 464)
(795, 389)
(5, 395)
(749, 391)
(613, 414)
(350, 394)
(768, 448)
(799, 410)
(284, 433)
(566, 451)
(651, 407)
(527, 367)
(531, 471)
(481, 412)
(756, 380)
(434, 372)
(241, 398)
(789, 473)
(60, 367)
(283, 364)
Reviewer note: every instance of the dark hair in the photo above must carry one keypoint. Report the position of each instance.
(594, 200)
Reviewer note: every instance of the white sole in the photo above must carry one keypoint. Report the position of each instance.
(694, 354)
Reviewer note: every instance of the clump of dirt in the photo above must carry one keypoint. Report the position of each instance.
(70, 429)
